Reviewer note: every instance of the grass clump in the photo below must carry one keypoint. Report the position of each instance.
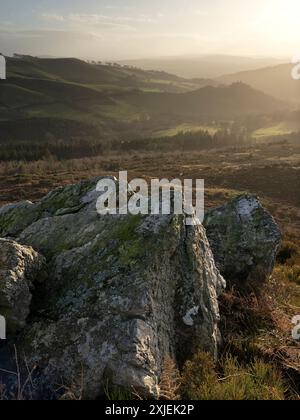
(204, 380)
(288, 252)
(289, 273)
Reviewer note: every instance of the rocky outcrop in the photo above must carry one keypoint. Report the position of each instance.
(244, 239)
(122, 294)
(20, 268)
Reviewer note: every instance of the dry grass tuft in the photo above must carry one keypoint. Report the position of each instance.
(230, 380)
(24, 387)
(170, 381)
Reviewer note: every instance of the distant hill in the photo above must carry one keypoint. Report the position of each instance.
(209, 102)
(64, 99)
(71, 90)
(205, 66)
(276, 81)
(99, 75)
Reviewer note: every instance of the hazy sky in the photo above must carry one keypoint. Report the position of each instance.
(118, 29)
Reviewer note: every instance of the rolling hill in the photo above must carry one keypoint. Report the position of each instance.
(67, 99)
(276, 81)
(203, 66)
(226, 102)
(99, 76)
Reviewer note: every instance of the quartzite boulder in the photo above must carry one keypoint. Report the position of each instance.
(122, 294)
(20, 268)
(244, 239)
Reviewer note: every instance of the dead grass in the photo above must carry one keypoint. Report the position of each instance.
(203, 379)
(170, 381)
(259, 358)
(24, 382)
(260, 327)
(267, 173)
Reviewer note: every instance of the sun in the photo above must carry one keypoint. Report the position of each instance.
(278, 24)
(285, 11)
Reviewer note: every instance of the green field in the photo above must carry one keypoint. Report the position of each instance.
(280, 129)
(185, 128)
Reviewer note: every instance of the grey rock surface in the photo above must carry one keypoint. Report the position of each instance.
(20, 268)
(122, 294)
(244, 239)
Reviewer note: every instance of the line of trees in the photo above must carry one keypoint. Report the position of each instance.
(56, 149)
(78, 147)
(187, 141)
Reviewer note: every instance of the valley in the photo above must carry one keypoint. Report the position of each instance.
(64, 122)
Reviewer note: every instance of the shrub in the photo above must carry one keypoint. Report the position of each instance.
(287, 251)
(287, 273)
(199, 377)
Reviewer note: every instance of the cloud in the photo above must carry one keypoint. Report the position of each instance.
(57, 43)
(89, 19)
(98, 19)
(52, 17)
(98, 22)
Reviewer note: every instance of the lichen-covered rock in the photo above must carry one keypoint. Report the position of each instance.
(20, 267)
(14, 218)
(244, 239)
(123, 292)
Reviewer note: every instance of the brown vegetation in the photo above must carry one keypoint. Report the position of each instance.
(258, 359)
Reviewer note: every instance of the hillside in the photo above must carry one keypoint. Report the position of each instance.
(276, 81)
(209, 102)
(71, 89)
(69, 99)
(203, 66)
(99, 76)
